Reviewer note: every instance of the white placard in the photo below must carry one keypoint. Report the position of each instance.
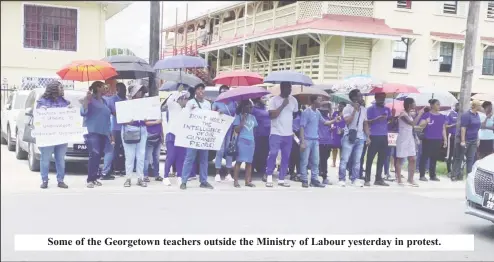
(201, 129)
(55, 126)
(148, 108)
(244, 242)
(392, 139)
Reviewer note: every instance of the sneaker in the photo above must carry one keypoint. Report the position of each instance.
(342, 183)
(434, 179)
(97, 183)
(62, 185)
(283, 183)
(217, 178)
(326, 182)
(141, 183)
(107, 177)
(166, 181)
(367, 184)
(423, 179)
(179, 180)
(380, 183)
(206, 185)
(90, 185)
(146, 179)
(305, 184)
(229, 178)
(357, 183)
(183, 186)
(316, 183)
(44, 185)
(158, 178)
(127, 183)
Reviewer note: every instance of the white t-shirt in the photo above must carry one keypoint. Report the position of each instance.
(347, 111)
(282, 125)
(486, 134)
(174, 110)
(203, 105)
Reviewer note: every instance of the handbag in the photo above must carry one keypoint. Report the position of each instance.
(27, 136)
(232, 147)
(131, 134)
(352, 133)
(154, 138)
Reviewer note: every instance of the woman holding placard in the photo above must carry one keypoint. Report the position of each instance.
(53, 98)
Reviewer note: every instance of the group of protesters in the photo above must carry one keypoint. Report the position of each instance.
(304, 135)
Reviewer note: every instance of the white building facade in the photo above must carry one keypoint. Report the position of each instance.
(413, 42)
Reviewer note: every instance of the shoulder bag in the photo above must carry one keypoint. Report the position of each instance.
(131, 134)
(352, 133)
(154, 138)
(28, 129)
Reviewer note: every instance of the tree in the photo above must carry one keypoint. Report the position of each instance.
(119, 51)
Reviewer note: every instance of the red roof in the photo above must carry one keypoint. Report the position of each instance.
(488, 39)
(404, 31)
(335, 23)
(448, 36)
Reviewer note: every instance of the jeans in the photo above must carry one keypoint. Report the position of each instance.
(118, 152)
(59, 153)
(431, 149)
(277, 143)
(221, 153)
(469, 151)
(261, 153)
(346, 151)
(108, 158)
(135, 152)
(379, 146)
(451, 152)
(153, 151)
(310, 155)
(96, 145)
(190, 161)
(324, 153)
(349, 165)
(419, 154)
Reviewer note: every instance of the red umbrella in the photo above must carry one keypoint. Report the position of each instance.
(390, 88)
(238, 78)
(397, 105)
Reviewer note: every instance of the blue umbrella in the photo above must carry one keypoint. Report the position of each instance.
(172, 86)
(180, 62)
(295, 78)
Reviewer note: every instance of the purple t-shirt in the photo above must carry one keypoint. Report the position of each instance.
(471, 121)
(379, 127)
(324, 131)
(452, 119)
(263, 121)
(434, 130)
(154, 129)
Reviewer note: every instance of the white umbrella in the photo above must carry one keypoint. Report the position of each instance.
(180, 77)
(425, 94)
(483, 97)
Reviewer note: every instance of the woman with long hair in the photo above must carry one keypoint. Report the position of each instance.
(175, 155)
(227, 109)
(96, 115)
(135, 148)
(52, 98)
(405, 143)
(244, 125)
(434, 124)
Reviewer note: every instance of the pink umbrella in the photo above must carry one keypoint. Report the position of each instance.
(397, 105)
(242, 93)
(238, 78)
(390, 88)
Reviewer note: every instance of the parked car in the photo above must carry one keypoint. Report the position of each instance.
(10, 113)
(76, 152)
(480, 189)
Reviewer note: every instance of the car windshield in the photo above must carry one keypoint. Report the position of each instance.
(20, 100)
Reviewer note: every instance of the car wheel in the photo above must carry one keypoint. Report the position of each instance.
(10, 143)
(32, 161)
(19, 153)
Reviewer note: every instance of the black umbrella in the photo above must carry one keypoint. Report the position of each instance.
(129, 67)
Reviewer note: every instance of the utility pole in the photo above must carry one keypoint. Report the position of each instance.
(466, 78)
(154, 43)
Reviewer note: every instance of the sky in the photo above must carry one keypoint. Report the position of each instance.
(130, 28)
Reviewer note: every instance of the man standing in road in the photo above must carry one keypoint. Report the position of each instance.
(281, 109)
(118, 158)
(355, 133)
(378, 117)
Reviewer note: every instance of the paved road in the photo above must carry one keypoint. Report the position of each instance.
(434, 208)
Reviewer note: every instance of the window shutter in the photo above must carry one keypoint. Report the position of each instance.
(434, 65)
(458, 59)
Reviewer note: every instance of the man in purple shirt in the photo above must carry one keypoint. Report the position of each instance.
(378, 116)
(118, 152)
(451, 127)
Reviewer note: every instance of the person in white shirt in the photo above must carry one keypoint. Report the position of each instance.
(281, 109)
(486, 133)
(198, 102)
(356, 133)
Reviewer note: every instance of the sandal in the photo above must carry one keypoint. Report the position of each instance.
(413, 184)
(400, 183)
(250, 184)
(236, 184)
(284, 184)
(269, 184)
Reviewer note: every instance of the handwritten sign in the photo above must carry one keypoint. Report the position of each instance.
(55, 126)
(138, 109)
(201, 129)
(392, 139)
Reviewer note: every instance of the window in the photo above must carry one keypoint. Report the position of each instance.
(490, 9)
(302, 51)
(226, 56)
(282, 53)
(285, 3)
(400, 54)
(407, 4)
(446, 52)
(450, 7)
(267, 5)
(488, 63)
(312, 43)
(50, 28)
